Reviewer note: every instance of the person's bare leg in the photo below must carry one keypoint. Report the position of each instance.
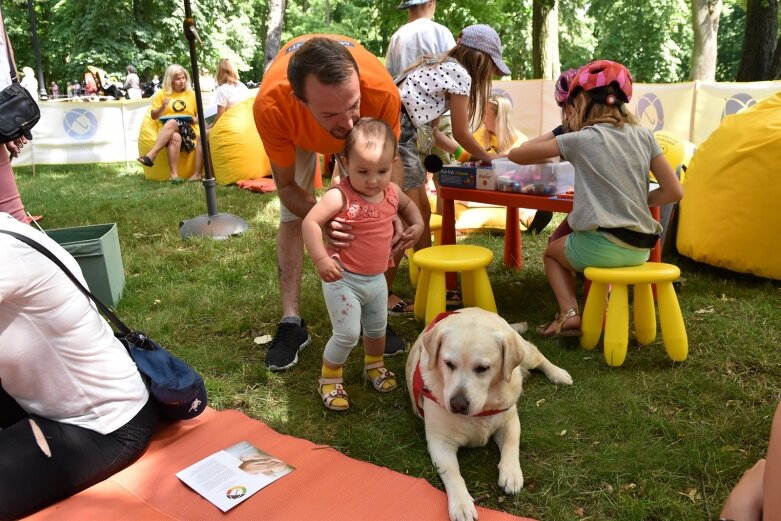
(744, 502)
(198, 160)
(419, 199)
(772, 502)
(290, 253)
(170, 128)
(419, 196)
(562, 281)
(174, 149)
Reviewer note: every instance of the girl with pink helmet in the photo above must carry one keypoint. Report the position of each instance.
(612, 154)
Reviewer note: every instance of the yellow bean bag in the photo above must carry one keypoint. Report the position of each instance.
(160, 171)
(730, 214)
(236, 150)
(473, 219)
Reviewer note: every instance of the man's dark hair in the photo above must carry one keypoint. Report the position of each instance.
(327, 59)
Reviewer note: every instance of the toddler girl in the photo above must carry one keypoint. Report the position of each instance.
(612, 225)
(353, 283)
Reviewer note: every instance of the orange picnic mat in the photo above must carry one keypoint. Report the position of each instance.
(354, 490)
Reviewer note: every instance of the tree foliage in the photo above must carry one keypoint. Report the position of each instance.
(146, 33)
(652, 37)
(731, 30)
(654, 41)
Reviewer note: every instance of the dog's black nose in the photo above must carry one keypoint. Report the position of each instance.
(459, 404)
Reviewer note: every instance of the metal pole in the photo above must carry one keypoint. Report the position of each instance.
(208, 181)
(214, 225)
(42, 95)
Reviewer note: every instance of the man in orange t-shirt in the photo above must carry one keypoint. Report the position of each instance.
(317, 87)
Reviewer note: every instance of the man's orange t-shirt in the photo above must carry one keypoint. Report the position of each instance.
(284, 123)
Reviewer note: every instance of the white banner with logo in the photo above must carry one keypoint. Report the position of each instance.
(691, 110)
(107, 131)
(85, 132)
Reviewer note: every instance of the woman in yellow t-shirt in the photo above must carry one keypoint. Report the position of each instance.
(175, 107)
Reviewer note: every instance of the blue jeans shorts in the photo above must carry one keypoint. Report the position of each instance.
(414, 174)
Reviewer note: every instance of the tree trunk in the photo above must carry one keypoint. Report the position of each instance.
(705, 19)
(276, 21)
(760, 40)
(545, 39)
(777, 61)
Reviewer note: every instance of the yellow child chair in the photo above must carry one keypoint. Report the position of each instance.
(616, 320)
(435, 261)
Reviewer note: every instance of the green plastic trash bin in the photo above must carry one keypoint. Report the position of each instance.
(96, 248)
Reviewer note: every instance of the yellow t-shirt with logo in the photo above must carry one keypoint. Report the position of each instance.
(179, 104)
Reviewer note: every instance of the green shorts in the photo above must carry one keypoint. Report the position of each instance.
(592, 248)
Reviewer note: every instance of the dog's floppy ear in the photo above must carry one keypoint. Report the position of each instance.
(512, 352)
(432, 341)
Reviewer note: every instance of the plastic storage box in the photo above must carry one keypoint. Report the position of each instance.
(542, 179)
(96, 249)
(466, 175)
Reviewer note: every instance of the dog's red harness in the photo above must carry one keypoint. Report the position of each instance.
(419, 389)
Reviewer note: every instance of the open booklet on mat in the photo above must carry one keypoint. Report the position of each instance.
(228, 477)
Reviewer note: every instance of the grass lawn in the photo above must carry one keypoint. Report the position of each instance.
(651, 440)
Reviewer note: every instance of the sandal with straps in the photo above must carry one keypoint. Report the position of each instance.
(144, 160)
(559, 322)
(338, 392)
(384, 376)
(401, 307)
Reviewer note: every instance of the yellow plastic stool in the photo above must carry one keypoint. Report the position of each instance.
(435, 223)
(434, 262)
(616, 320)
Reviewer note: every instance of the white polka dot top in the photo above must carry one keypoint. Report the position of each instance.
(423, 92)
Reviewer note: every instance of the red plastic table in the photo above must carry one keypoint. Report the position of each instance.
(513, 248)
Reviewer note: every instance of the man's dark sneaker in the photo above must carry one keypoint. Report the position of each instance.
(393, 344)
(540, 221)
(288, 341)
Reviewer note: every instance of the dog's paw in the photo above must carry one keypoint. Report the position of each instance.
(558, 376)
(520, 327)
(511, 478)
(461, 508)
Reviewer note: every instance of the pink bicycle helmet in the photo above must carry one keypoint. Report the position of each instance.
(602, 73)
(561, 89)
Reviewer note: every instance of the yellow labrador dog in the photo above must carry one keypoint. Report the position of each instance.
(464, 375)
